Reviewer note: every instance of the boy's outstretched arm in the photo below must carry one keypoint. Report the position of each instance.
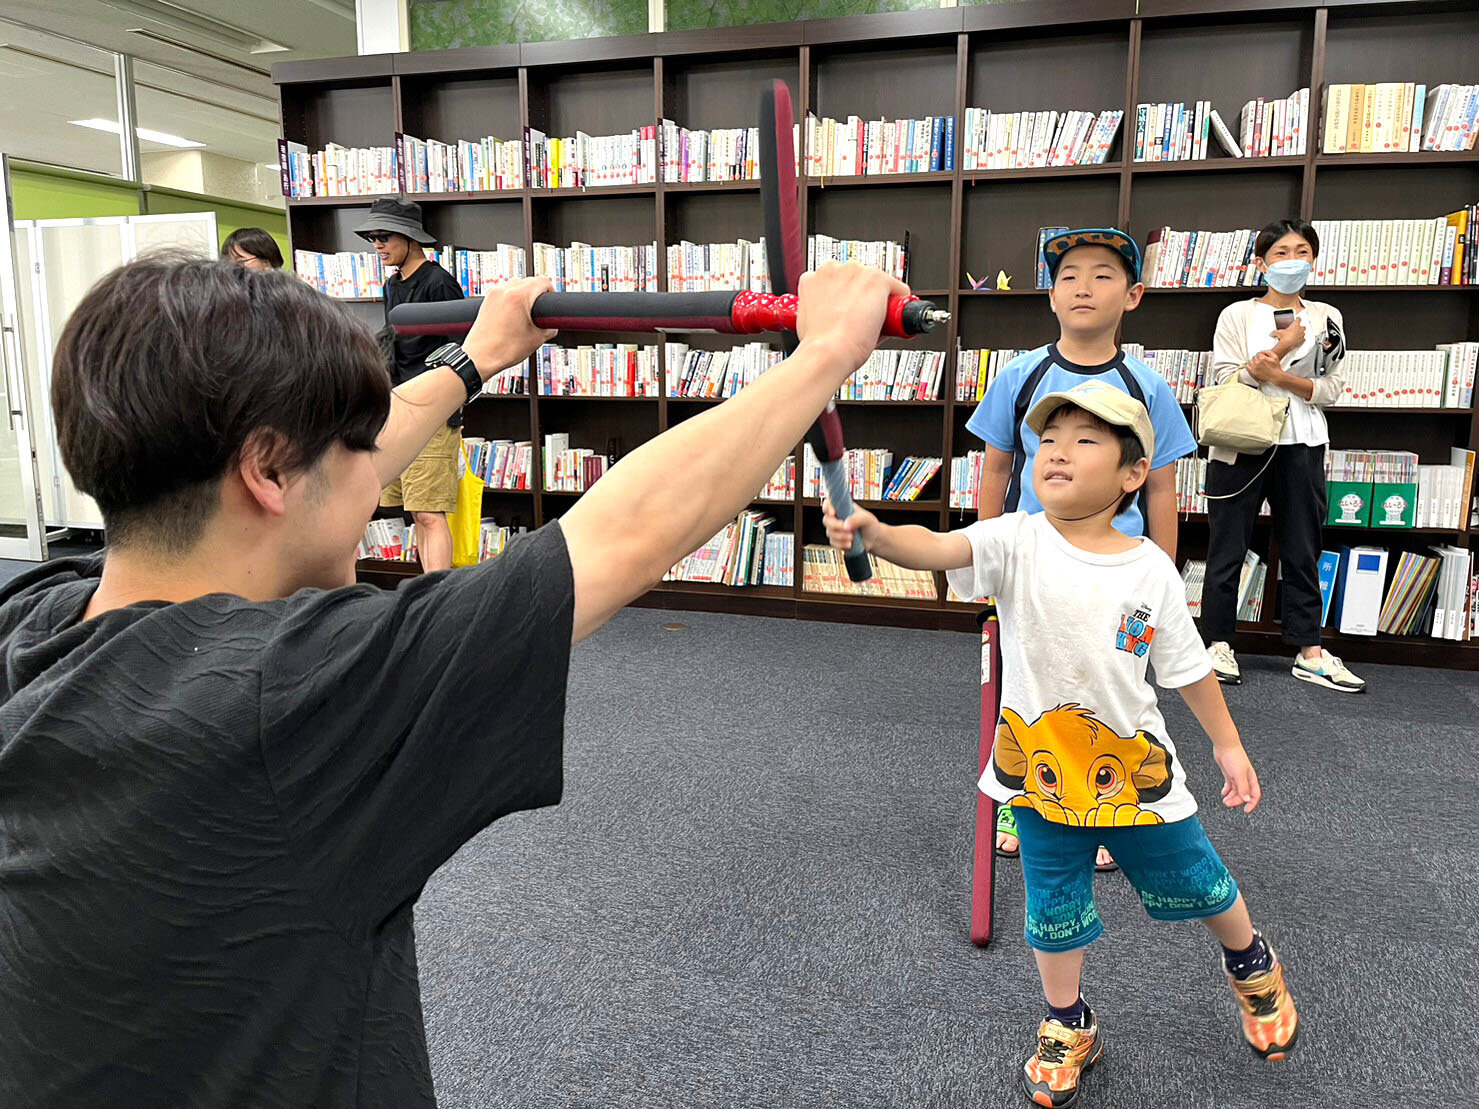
(1240, 782)
(910, 546)
(675, 491)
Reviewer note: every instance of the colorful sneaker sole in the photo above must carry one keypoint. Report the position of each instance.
(1314, 678)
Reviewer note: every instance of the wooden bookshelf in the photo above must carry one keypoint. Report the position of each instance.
(1108, 54)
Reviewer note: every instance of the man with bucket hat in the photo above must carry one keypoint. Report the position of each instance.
(428, 487)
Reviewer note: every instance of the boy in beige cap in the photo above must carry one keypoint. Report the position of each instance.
(1082, 753)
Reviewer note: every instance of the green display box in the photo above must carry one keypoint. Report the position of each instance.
(1393, 505)
(1349, 503)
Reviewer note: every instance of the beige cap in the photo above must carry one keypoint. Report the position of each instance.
(1113, 406)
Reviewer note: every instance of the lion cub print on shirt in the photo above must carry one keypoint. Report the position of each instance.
(1076, 770)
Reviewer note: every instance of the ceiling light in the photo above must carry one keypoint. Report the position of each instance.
(145, 133)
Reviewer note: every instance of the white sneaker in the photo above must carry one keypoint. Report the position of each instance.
(1224, 663)
(1329, 671)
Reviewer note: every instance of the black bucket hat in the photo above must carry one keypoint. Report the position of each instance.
(390, 213)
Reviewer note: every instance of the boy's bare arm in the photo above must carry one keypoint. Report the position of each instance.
(991, 493)
(910, 546)
(1160, 509)
(1240, 782)
(917, 548)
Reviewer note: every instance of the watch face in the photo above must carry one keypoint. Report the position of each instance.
(443, 354)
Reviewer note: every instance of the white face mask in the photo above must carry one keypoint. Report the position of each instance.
(1289, 275)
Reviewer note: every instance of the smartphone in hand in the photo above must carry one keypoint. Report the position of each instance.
(1283, 317)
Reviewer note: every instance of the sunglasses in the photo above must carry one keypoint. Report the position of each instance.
(379, 236)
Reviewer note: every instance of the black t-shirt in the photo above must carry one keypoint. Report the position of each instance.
(429, 282)
(216, 816)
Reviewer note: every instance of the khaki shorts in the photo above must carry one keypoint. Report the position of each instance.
(429, 484)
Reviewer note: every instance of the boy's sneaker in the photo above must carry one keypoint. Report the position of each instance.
(1270, 1021)
(1224, 664)
(1052, 1075)
(1327, 670)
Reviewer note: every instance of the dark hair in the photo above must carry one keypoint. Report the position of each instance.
(1281, 227)
(1132, 450)
(253, 241)
(170, 364)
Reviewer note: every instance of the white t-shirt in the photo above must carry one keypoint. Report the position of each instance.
(1080, 738)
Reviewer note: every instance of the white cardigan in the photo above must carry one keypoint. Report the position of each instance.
(1244, 329)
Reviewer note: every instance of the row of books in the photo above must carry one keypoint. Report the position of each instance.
(389, 541)
(716, 373)
(1429, 593)
(1391, 489)
(721, 154)
(1442, 378)
(965, 479)
(1272, 128)
(1383, 466)
(911, 478)
(477, 271)
(336, 170)
(1435, 251)
(1191, 487)
(1027, 140)
(582, 268)
(512, 382)
(1185, 371)
(1441, 495)
(975, 370)
(823, 571)
(782, 483)
(599, 370)
(1251, 581)
(710, 267)
(868, 470)
(584, 161)
(488, 164)
(1182, 132)
(896, 375)
(884, 254)
(855, 147)
(501, 463)
(1200, 259)
(343, 275)
(737, 555)
(570, 470)
(1399, 117)
(871, 475)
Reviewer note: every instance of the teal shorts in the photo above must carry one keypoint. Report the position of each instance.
(1173, 867)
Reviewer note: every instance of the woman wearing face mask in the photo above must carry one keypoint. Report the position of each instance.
(1285, 346)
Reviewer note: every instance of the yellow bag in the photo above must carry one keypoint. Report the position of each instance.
(467, 520)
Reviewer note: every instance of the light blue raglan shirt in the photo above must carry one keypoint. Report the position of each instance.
(999, 419)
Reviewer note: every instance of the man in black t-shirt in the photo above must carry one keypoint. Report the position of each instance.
(226, 772)
(428, 488)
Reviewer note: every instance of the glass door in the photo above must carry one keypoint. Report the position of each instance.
(21, 532)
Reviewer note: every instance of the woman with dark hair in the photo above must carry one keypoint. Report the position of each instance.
(1288, 347)
(253, 248)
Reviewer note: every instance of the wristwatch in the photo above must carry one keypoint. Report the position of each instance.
(450, 354)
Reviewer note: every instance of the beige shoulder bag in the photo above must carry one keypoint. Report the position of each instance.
(1239, 417)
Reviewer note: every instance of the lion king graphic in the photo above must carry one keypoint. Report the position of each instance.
(1074, 769)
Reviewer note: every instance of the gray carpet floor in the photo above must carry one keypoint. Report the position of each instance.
(757, 889)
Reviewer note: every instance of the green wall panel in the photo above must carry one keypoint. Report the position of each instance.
(439, 24)
(686, 15)
(41, 195)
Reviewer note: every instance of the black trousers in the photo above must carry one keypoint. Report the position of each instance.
(1294, 486)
